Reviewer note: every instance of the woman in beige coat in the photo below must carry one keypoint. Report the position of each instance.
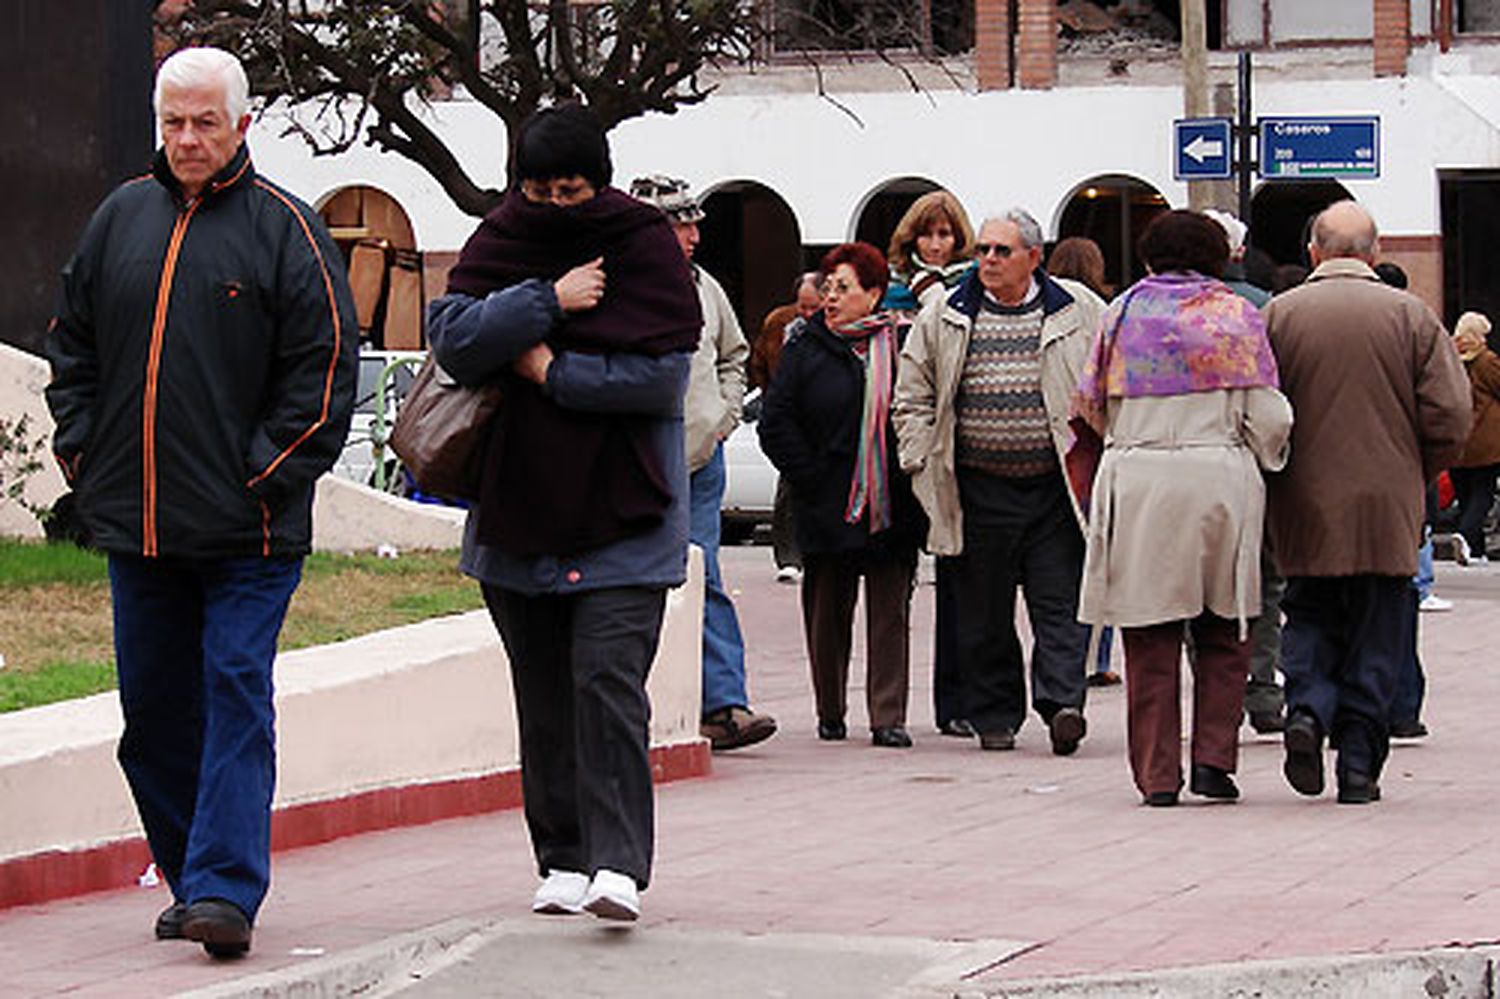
(1176, 414)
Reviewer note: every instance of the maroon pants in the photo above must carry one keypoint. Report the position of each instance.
(830, 586)
(1153, 677)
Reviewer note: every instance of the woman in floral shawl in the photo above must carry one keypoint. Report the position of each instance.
(1176, 413)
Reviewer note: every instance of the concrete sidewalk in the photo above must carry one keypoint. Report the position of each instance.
(802, 868)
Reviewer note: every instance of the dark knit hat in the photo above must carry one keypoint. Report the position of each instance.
(565, 140)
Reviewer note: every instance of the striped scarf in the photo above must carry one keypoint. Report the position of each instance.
(873, 340)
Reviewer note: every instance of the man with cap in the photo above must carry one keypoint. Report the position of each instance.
(716, 391)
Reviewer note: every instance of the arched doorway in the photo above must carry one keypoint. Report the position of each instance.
(751, 242)
(1112, 210)
(1279, 213)
(882, 209)
(385, 268)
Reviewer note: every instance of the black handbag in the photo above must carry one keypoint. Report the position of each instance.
(441, 430)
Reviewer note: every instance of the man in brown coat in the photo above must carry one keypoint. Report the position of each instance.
(1382, 406)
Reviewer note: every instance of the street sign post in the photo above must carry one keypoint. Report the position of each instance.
(1202, 149)
(1300, 147)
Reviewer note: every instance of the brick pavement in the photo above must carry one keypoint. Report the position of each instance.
(940, 842)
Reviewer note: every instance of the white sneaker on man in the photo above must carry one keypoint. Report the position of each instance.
(789, 574)
(561, 894)
(1432, 602)
(613, 895)
(1461, 553)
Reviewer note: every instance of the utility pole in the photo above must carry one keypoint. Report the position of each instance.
(1195, 98)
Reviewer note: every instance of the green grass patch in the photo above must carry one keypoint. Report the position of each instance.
(29, 563)
(58, 681)
(55, 620)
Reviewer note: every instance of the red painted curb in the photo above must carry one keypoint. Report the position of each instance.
(55, 874)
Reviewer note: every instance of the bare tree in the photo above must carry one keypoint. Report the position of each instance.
(359, 69)
(352, 70)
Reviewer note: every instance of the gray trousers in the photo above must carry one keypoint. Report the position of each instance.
(579, 663)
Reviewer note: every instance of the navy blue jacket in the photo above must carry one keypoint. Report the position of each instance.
(810, 426)
(476, 339)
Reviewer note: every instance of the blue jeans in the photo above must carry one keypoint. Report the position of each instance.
(723, 645)
(1425, 576)
(194, 644)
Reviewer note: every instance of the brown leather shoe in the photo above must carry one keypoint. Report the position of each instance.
(736, 728)
(1067, 729)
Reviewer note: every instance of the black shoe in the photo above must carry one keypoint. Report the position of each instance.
(1001, 738)
(891, 737)
(1304, 754)
(1160, 799)
(219, 926)
(1411, 729)
(169, 923)
(1267, 722)
(957, 727)
(832, 731)
(1104, 678)
(1212, 782)
(1357, 788)
(1067, 729)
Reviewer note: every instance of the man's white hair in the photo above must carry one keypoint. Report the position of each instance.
(205, 67)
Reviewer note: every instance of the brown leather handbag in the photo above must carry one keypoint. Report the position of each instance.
(441, 430)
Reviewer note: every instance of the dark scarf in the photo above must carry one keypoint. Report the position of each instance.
(559, 481)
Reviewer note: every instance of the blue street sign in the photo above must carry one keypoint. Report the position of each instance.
(1320, 147)
(1201, 149)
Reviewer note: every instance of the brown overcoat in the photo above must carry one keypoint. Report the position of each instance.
(1484, 440)
(1382, 406)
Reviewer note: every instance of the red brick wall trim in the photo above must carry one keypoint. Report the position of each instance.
(1410, 244)
(55, 874)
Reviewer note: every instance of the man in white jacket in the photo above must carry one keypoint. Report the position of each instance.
(711, 411)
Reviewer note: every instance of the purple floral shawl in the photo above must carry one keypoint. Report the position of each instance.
(1170, 334)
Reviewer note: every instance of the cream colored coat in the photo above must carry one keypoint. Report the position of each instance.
(716, 384)
(1178, 506)
(932, 365)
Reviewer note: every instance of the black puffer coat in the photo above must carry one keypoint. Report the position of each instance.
(809, 428)
(203, 360)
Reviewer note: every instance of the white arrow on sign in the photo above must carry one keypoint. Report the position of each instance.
(1201, 148)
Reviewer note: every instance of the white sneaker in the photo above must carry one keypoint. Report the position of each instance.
(1461, 553)
(561, 894)
(1432, 602)
(613, 896)
(789, 574)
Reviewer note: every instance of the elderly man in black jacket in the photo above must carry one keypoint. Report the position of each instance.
(203, 360)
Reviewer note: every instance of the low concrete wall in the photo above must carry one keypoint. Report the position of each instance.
(347, 516)
(405, 725)
(23, 378)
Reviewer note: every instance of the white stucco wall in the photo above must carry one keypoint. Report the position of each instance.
(993, 149)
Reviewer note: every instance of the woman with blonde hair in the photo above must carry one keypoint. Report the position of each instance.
(1473, 473)
(929, 251)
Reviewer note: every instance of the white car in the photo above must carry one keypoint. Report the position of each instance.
(750, 478)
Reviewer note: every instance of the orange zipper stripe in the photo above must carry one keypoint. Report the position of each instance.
(153, 371)
(265, 529)
(333, 311)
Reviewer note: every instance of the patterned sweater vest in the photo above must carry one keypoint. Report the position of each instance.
(1002, 420)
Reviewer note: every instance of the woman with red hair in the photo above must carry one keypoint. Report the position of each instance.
(826, 426)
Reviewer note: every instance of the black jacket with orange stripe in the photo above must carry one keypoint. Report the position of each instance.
(203, 367)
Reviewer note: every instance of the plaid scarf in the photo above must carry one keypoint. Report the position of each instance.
(873, 340)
